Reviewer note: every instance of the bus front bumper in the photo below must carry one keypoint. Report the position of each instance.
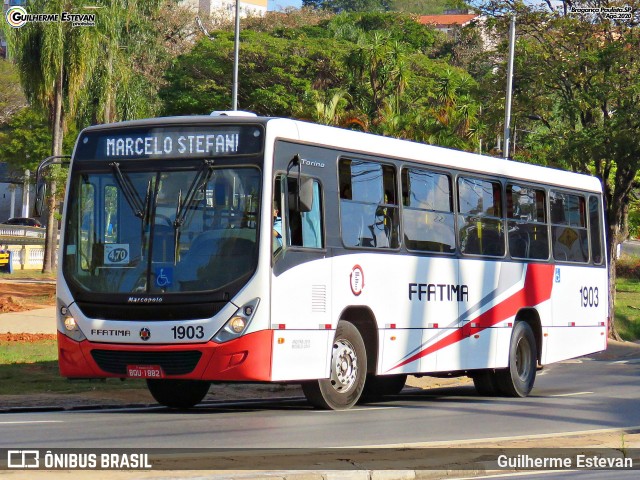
(247, 358)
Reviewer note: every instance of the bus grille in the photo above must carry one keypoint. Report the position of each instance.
(172, 363)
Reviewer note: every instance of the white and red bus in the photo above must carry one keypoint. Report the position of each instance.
(246, 249)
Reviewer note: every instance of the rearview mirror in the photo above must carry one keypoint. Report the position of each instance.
(41, 194)
(301, 194)
(41, 185)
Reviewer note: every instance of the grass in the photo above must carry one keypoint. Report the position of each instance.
(628, 308)
(27, 275)
(29, 368)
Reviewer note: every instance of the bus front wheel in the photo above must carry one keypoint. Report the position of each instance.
(348, 372)
(517, 379)
(178, 393)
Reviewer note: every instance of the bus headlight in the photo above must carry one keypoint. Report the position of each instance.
(238, 323)
(71, 328)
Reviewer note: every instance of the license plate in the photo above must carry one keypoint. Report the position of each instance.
(144, 371)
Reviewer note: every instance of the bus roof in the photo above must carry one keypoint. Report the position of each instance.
(377, 145)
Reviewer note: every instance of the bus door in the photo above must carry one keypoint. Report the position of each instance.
(301, 280)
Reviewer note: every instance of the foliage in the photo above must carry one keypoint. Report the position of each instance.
(426, 7)
(277, 74)
(628, 267)
(11, 96)
(124, 83)
(348, 5)
(396, 27)
(370, 71)
(628, 308)
(578, 74)
(25, 140)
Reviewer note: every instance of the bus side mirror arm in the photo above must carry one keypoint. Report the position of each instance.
(41, 186)
(304, 193)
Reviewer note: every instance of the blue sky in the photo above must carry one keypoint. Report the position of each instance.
(280, 4)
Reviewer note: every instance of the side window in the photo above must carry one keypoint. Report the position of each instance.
(595, 229)
(427, 215)
(304, 229)
(110, 214)
(87, 225)
(527, 223)
(480, 222)
(568, 227)
(278, 198)
(294, 228)
(368, 204)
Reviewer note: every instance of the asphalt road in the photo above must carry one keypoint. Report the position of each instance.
(578, 395)
(631, 247)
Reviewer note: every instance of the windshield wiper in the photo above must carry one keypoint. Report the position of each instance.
(200, 180)
(129, 191)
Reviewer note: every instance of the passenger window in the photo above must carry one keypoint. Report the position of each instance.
(427, 215)
(595, 229)
(368, 204)
(527, 227)
(304, 228)
(568, 227)
(87, 226)
(110, 214)
(294, 228)
(480, 222)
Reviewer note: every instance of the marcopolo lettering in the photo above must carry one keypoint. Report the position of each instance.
(438, 292)
(144, 300)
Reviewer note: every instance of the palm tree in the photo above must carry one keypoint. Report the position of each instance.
(54, 61)
(114, 92)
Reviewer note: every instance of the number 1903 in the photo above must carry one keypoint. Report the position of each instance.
(589, 297)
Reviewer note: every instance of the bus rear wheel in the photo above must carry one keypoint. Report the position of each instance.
(178, 393)
(348, 372)
(517, 379)
(486, 383)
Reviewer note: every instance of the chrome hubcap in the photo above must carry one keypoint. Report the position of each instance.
(344, 366)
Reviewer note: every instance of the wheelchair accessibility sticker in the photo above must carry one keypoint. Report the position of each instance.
(164, 277)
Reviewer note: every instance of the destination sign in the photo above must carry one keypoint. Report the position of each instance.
(157, 143)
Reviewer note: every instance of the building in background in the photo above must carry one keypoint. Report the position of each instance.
(210, 7)
(12, 201)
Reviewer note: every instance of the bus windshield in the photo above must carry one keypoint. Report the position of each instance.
(162, 230)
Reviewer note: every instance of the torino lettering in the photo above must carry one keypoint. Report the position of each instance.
(438, 292)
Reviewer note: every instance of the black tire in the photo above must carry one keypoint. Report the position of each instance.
(178, 393)
(377, 386)
(517, 380)
(486, 383)
(348, 372)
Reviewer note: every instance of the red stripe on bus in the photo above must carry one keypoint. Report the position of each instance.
(538, 283)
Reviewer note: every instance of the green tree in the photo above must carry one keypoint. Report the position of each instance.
(427, 7)
(579, 74)
(277, 75)
(348, 5)
(26, 139)
(128, 43)
(54, 61)
(11, 97)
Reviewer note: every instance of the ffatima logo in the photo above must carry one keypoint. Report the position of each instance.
(16, 17)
